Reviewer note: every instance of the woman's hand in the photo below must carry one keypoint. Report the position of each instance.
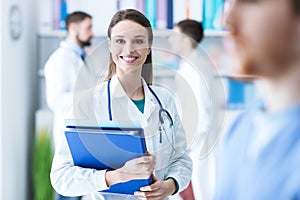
(137, 168)
(159, 190)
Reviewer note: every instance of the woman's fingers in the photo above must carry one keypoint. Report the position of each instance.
(139, 168)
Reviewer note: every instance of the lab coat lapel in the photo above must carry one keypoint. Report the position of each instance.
(123, 109)
(151, 105)
(151, 120)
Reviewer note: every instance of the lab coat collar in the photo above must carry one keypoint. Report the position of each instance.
(119, 94)
(117, 90)
(150, 101)
(69, 44)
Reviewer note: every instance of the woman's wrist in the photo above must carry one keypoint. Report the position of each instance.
(112, 177)
(174, 186)
(171, 186)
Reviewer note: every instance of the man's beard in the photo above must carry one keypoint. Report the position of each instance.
(273, 65)
(84, 43)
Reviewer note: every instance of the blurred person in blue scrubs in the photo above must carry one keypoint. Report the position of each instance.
(62, 68)
(260, 155)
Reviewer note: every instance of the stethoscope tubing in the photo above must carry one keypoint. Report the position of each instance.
(161, 111)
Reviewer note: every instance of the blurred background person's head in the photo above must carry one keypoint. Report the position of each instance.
(186, 37)
(80, 28)
(265, 35)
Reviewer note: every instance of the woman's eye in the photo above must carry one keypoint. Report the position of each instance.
(139, 41)
(119, 41)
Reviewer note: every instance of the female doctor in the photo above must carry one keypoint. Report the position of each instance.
(127, 95)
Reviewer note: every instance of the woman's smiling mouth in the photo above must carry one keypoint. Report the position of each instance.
(129, 59)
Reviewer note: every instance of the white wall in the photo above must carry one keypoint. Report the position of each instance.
(1, 29)
(18, 101)
(101, 12)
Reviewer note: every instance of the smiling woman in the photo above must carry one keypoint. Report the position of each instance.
(142, 24)
(129, 47)
(128, 96)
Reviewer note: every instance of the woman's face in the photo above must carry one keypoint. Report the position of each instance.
(129, 46)
(263, 34)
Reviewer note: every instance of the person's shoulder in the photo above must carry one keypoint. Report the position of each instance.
(244, 119)
(84, 101)
(63, 51)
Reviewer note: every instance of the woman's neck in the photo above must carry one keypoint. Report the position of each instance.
(132, 84)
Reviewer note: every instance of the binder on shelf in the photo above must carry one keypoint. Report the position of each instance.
(63, 14)
(170, 14)
(150, 11)
(107, 148)
(56, 14)
(140, 5)
(212, 12)
(162, 14)
(240, 92)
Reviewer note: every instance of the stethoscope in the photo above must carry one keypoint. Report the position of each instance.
(162, 112)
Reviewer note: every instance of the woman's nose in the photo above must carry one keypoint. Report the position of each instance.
(129, 48)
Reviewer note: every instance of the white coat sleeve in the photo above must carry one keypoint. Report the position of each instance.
(70, 180)
(181, 165)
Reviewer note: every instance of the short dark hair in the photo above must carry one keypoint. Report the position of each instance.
(137, 17)
(193, 29)
(76, 17)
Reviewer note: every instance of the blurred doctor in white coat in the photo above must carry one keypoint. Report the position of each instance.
(194, 81)
(63, 66)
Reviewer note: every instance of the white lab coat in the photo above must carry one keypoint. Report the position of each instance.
(70, 180)
(195, 83)
(64, 72)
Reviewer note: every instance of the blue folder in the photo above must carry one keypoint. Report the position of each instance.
(109, 148)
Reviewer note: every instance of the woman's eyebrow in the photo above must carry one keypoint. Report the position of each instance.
(122, 36)
(139, 36)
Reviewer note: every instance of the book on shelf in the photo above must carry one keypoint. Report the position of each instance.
(162, 14)
(150, 11)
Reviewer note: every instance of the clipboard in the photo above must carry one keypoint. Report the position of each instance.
(107, 148)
